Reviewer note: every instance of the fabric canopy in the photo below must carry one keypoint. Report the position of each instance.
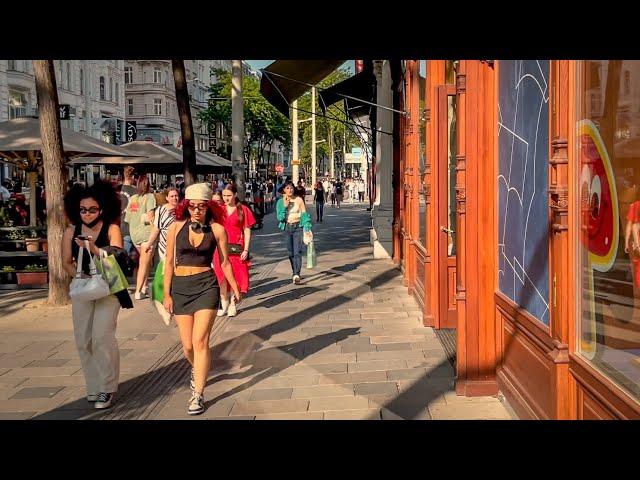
(160, 159)
(281, 81)
(360, 86)
(21, 135)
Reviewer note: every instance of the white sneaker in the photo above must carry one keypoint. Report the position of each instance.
(224, 302)
(140, 295)
(296, 279)
(105, 400)
(196, 404)
(232, 307)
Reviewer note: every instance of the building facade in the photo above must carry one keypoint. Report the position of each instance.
(93, 90)
(151, 98)
(516, 223)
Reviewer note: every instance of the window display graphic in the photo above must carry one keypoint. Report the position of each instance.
(599, 201)
(523, 206)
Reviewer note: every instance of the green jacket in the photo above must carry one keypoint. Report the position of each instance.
(281, 215)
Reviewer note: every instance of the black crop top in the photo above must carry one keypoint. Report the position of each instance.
(101, 241)
(188, 255)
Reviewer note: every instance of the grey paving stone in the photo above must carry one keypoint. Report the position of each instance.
(376, 388)
(291, 416)
(271, 394)
(16, 415)
(145, 337)
(390, 355)
(269, 406)
(358, 377)
(331, 390)
(377, 365)
(49, 362)
(406, 373)
(359, 347)
(385, 347)
(37, 392)
(365, 414)
(338, 403)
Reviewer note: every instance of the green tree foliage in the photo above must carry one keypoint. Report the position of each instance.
(330, 127)
(263, 124)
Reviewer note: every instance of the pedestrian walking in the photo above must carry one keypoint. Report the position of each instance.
(164, 216)
(191, 290)
(238, 221)
(319, 197)
(361, 190)
(301, 191)
(339, 189)
(293, 219)
(127, 190)
(95, 214)
(139, 215)
(327, 189)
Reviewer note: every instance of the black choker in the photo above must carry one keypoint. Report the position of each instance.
(199, 228)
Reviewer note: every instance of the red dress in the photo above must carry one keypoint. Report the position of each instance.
(235, 234)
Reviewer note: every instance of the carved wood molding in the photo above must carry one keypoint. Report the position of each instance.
(461, 194)
(560, 352)
(461, 83)
(461, 162)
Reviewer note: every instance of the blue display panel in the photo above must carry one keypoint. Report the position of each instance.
(523, 225)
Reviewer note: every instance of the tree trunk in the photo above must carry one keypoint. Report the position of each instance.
(54, 177)
(186, 124)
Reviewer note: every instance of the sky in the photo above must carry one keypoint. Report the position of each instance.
(258, 64)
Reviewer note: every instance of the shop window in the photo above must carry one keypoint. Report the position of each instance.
(608, 186)
(422, 155)
(523, 163)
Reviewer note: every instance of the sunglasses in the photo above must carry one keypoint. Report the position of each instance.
(199, 206)
(91, 210)
(199, 228)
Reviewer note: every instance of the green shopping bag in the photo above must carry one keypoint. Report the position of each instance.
(157, 293)
(112, 273)
(312, 261)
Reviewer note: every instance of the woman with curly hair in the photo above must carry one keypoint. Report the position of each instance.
(191, 290)
(94, 213)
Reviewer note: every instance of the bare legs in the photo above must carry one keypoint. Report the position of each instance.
(194, 335)
(143, 269)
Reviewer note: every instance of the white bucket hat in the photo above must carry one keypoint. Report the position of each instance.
(198, 191)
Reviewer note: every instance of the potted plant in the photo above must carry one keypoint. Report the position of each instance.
(17, 235)
(8, 275)
(33, 241)
(33, 275)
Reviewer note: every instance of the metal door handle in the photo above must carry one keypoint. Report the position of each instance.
(446, 230)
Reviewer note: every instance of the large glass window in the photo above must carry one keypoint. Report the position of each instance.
(608, 152)
(17, 104)
(523, 206)
(157, 106)
(128, 75)
(422, 156)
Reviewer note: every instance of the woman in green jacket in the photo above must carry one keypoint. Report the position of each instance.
(293, 219)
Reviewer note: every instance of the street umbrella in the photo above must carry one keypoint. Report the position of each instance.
(21, 145)
(160, 159)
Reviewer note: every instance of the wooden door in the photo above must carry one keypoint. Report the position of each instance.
(446, 205)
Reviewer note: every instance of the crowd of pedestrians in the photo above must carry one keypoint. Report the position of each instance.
(202, 234)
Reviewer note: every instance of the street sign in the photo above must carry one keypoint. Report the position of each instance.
(64, 111)
(279, 168)
(213, 144)
(131, 130)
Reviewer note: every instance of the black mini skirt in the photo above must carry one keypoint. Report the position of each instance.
(195, 292)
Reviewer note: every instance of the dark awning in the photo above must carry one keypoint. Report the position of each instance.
(361, 86)
(280, 83)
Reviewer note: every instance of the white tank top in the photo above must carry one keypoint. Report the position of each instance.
(294, 213)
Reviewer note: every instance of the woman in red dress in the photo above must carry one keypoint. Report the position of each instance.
(237, 223)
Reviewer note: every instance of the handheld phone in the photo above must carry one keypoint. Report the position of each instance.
(84, 237)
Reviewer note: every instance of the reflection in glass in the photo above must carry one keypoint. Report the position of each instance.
(608, 144)
(422, 157)
(451, 174)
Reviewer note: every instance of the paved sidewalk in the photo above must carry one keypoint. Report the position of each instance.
(347, 343)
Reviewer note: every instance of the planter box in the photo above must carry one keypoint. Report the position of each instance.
(32, 278)
(8, 278)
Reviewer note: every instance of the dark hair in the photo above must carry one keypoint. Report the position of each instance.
(232, 188)
(143, 185)
(102, 192)
(214, 212)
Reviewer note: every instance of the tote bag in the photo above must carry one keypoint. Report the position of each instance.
(312, 261)
(88, 289)
(110, 269)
